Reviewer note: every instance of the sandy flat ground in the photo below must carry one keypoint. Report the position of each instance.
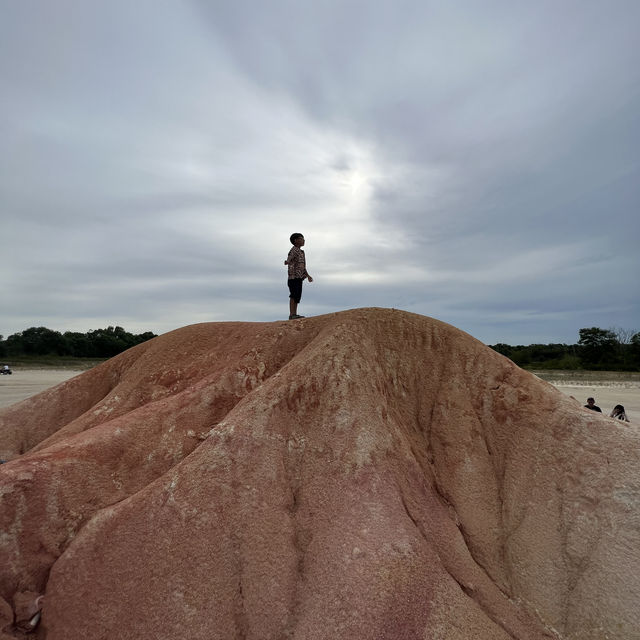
(607, 388)
(607, 398)
(27, 382)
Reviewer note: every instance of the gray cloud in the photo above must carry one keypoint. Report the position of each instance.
(474, 163)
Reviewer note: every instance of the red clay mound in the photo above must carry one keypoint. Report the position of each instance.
(367, 474)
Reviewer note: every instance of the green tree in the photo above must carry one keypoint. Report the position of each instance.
(108, 342)
(626, 355)
(101, 343)
(598, 348)
(105, 343)
(504, 349)
(37, 341)
(143, 337)
(634, 350)
(77, 344)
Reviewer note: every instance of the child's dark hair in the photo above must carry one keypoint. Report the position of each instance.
(294, 237)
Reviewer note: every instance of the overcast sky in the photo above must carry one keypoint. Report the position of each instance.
(478, 162)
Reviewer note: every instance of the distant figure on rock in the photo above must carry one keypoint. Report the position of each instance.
(619, 413)
(297, 272)
(591, 404)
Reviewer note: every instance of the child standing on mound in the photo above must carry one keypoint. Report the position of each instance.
(296, 274)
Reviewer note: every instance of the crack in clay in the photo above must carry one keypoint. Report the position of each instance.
(468, 589)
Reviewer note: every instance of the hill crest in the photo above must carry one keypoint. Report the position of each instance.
(370, 473)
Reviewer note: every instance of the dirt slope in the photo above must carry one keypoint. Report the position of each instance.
(366, 474)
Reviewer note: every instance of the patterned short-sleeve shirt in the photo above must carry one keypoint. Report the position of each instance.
(297, 266)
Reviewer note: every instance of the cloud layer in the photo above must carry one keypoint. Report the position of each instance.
(474, 163)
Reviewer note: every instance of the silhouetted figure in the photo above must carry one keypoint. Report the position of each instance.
(591, 404)
(297, 272)
(618, 413)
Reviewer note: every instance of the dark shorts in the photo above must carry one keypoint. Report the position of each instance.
(295, 288)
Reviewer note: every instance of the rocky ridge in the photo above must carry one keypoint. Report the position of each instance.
(366, 474)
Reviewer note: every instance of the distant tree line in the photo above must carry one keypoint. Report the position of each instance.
(597, 349)
(100, 343)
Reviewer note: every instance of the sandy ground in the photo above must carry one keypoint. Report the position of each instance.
(624, 390)
(607, 397)
(607, 388)
(27, 382)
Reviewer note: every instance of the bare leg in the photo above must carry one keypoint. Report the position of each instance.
(293, 307)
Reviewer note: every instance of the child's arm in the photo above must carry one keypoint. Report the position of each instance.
(291, 257)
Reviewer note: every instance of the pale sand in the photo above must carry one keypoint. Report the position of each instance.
(607, 397)
(27, 382)
(24, 383)
(607, 388)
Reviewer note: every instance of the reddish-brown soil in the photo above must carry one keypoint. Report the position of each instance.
(368, 474)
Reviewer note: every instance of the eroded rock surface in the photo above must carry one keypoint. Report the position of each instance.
(366, 474)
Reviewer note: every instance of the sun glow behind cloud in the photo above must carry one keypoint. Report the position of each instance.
(316, 180)
(472, 163)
